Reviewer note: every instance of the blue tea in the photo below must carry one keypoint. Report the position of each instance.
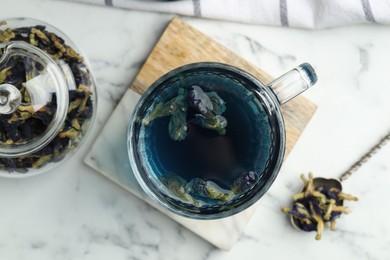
(207, 138)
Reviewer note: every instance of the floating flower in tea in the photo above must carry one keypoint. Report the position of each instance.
(177, 108)
(210, 117)
(196, 119)
(216, 123)
(208, 189)
(219, 106)
(199, 100)
(176, 105)
(178, 187)
(245, 181)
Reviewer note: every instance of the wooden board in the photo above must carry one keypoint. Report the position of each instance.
(181, 44)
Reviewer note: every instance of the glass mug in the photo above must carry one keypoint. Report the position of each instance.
(207, 139)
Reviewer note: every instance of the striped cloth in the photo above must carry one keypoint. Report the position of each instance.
(294, 13)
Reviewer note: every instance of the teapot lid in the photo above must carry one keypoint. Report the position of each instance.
(33, 97)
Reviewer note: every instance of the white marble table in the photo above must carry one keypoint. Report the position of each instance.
(74, 213)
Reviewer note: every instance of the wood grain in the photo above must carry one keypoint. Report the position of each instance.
(181, 44)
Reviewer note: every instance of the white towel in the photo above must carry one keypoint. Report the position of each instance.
(294, 13)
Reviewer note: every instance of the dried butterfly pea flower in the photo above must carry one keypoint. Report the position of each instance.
(4, 74)
(40, 35)
(42, 161)
(314, 205)
(76, 124)
(70, 133)
(31, 71)
(27, 131)
(58, 43)
(331, 205)
(6, 35)
(333, 225)
(30, 121)
(341, 209)
(301, 213)
(329, 193)
(301, 209)
(345, 196)
(33, 40)
(323, 204)
(310, 185)
(308, 227)
(321, 197)
(320, 222)
(298, 214)
(8, 163)
(72, 54)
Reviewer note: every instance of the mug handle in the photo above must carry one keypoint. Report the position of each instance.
(294, 82)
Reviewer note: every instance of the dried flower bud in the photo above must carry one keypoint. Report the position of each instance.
(316, 205)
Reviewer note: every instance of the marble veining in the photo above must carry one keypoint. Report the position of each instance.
(75, 213)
